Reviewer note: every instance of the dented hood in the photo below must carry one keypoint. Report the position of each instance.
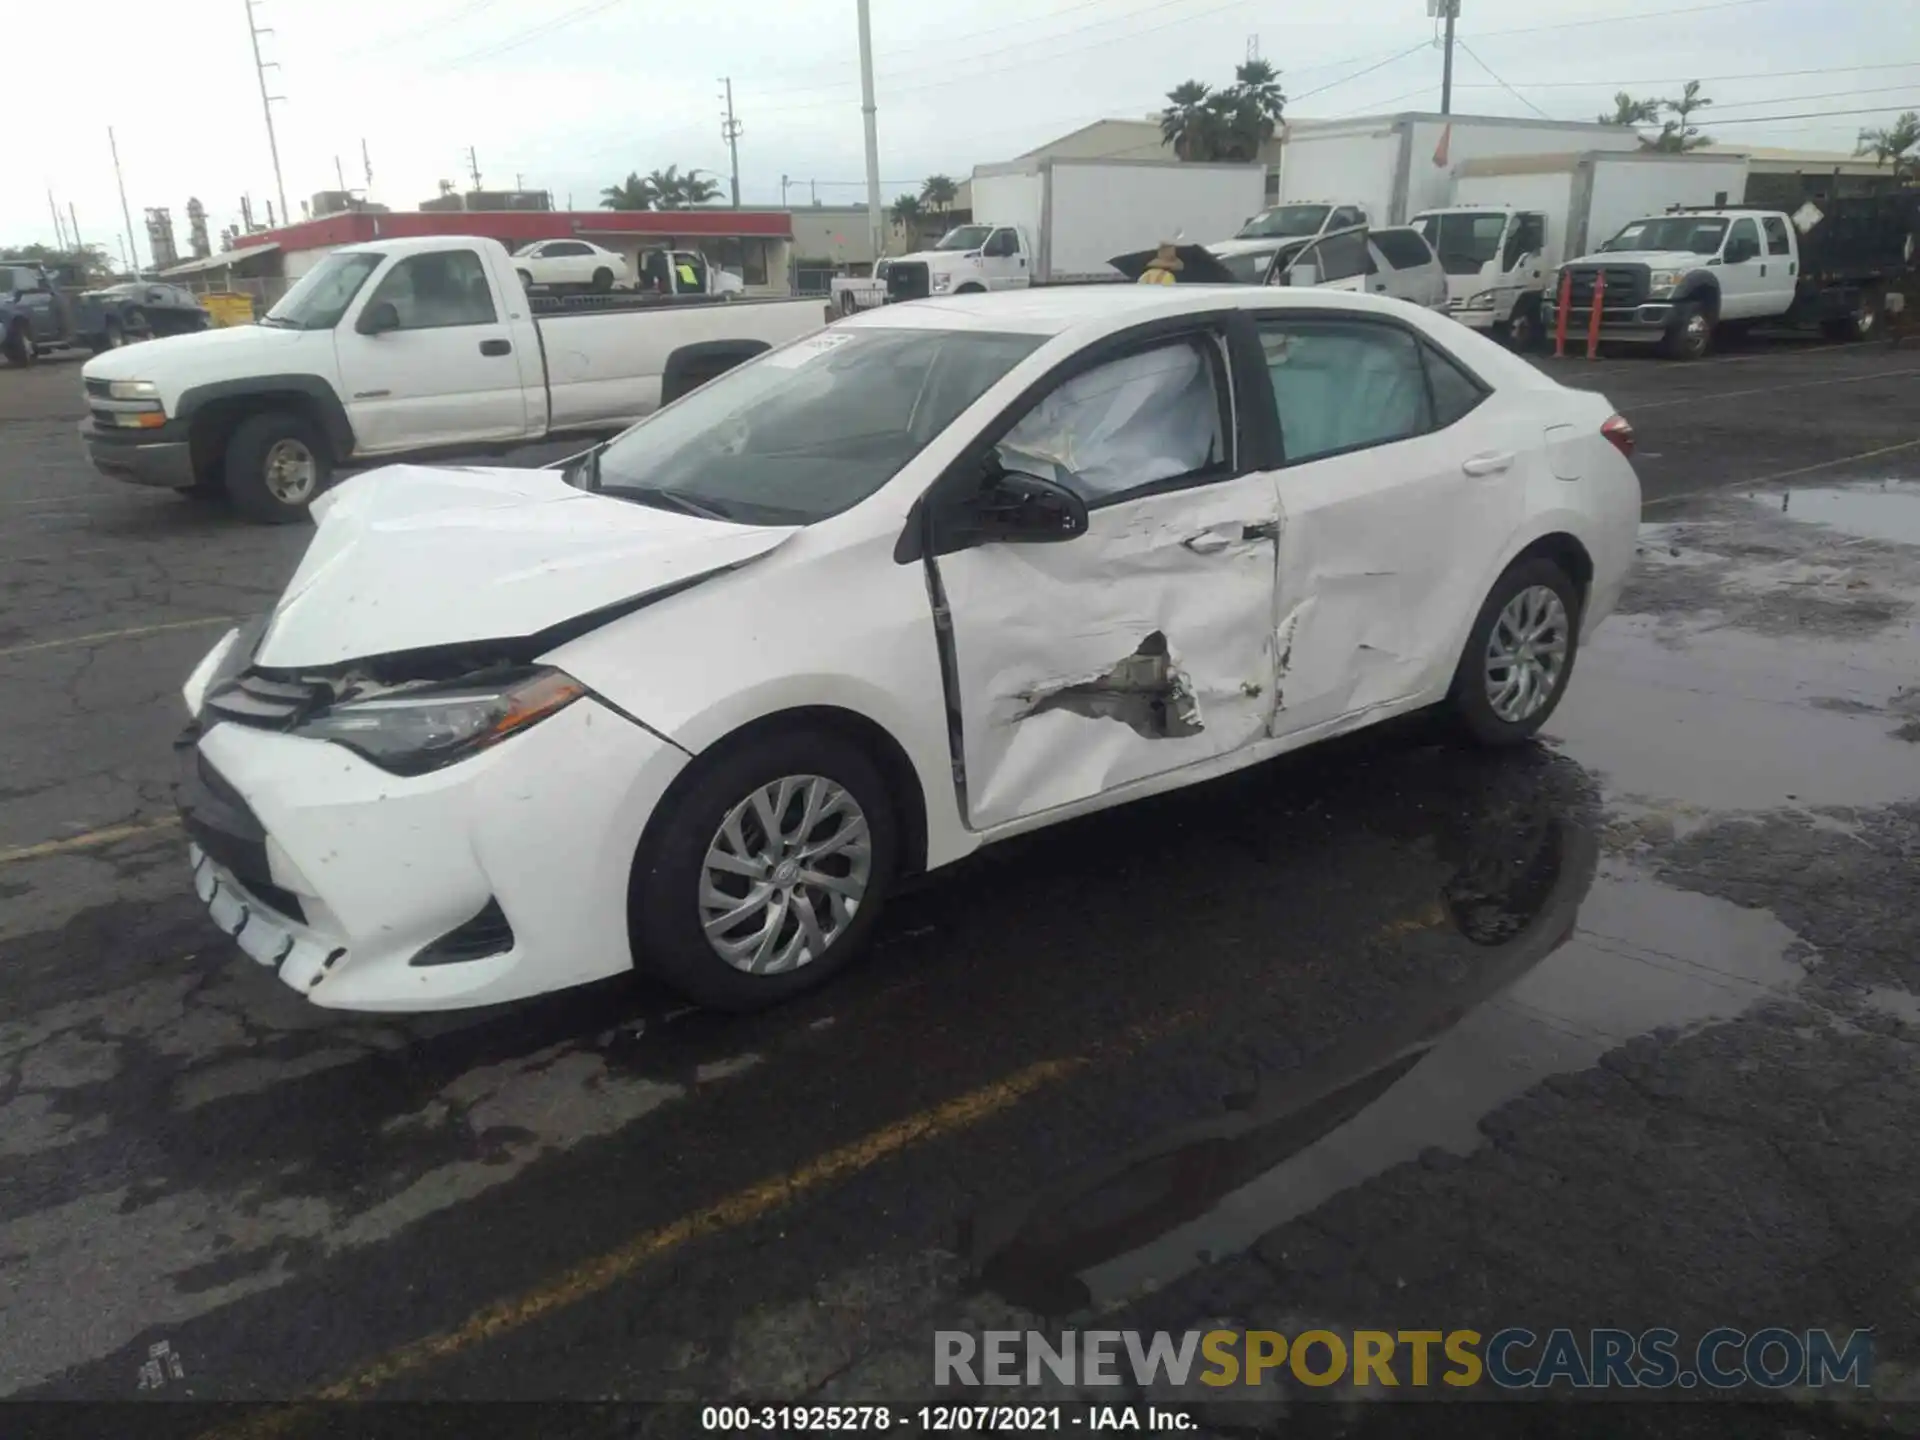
(410, 557)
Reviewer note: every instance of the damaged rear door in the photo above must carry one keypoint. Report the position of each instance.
(1400, 486)
(1145, 644)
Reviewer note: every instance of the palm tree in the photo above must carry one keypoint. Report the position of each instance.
(1890, 144)
(1257, 86)
(1629, 111)
(632, 193)
(1187, 124)
(674, 191)
(907, 213)
(700, 188)
(938, 193)
(1678, 133)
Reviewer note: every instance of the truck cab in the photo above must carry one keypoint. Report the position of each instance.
(35, 315)
(967, 260)
(1251, 250)
(685, 272)
(1672, 279)
(1496, 261)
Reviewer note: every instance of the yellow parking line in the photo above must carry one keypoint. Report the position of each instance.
(112, 835)
(132, 633)
(1778, 475)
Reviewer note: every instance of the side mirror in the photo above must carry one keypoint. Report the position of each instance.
(1015, 509)
(378, 318)
(1304, 275)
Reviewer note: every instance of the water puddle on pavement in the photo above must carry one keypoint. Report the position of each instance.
(1889, 510)
(1547, 996)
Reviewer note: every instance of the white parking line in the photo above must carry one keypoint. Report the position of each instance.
(1780, 475)
(1772, 389)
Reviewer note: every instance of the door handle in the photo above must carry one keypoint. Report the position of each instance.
(1380, 285)
(496, 347)
(1491, 464)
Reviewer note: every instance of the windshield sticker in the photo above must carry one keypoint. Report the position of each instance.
(806, 351)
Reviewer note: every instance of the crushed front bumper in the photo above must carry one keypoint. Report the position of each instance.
(351, 882)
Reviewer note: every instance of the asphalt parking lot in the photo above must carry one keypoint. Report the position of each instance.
(1618, 1030)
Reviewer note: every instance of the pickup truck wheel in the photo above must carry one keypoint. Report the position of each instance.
(276, 465)
(971, 290)
(1862, 322)
(1691, 336)
(602, 280)
(111, 338)
(767, 871)
(18, 346)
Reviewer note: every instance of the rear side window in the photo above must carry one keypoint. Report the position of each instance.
(1343, 385)
(1454, 391)
(1776, 229)
(1404, 249)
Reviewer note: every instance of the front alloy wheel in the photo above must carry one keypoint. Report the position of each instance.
(785, 874)
(291, 472)
(766, 871)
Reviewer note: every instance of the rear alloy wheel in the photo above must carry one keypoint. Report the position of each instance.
(1519, 654)
(768, 873)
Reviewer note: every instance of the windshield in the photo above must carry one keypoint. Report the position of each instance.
(1464, 243)
(811, 429)
(1284, 220)
(1700, 234)
(321, 296)
(965, 237)
(1248, 269)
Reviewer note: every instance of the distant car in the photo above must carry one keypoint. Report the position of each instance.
(1395, 261)
(108, 318)
(572, 264)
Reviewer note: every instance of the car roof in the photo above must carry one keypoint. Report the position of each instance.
(1088, 311)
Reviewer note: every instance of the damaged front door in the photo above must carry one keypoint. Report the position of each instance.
(1143, 645)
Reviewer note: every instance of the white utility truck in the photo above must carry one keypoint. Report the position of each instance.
(1674, 279)
(1512, 219)
(404, 347)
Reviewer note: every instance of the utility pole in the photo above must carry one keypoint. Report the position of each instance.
(473, 166)
(1452, 11)
(59, 230)
(875, 232)
(75, 227)
(730, 132)
(132, 239)
(339, 175)
(784, 183)
(260, 69)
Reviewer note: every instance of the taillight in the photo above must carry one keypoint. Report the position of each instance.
(1620, 431)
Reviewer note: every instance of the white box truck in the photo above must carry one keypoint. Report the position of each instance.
(1512, 219)
(1399, 165)
(1055, 221)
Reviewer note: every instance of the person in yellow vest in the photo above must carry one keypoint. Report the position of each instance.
(1164, 268)
(689, 281)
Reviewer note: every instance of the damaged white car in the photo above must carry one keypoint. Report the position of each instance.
(942, 573)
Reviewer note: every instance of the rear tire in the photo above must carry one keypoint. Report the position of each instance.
(676, 894)
(276, 465)
(971, 290)
(1531, 622)
(1691, 335)
(1524, 330)
(18, 346)
(111, 338)
(602, 280)
(1863, 323)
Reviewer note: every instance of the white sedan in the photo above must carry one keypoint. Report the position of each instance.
(937, 575)
(572, 264)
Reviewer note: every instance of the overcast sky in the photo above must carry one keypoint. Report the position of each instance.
(569, 95)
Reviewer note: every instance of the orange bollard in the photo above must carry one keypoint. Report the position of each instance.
(1593, 325)
(1560, 320)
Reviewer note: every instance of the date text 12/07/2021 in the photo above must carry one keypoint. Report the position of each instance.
(941, 1419)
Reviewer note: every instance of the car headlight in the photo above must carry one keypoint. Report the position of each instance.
(1482, 301)
(428, 727)
(133, 390)
(1665, 282)
(942, 282)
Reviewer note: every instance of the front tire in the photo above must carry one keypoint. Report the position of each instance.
(1691, 337)
(971, 290)
(1519, 655)
(602, 280)
(276, 465)
(1524, 330)
(18, 345)
(766, 873)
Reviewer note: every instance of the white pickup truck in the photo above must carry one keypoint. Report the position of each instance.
(404, 347)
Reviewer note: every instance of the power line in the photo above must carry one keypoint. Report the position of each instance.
(1817, 114)
(1621, 19)
(1334, 84)
(514, 42)
(1703, 79)
(1502, 84)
